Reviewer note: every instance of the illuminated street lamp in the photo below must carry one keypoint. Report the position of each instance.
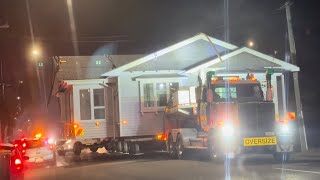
(251, 43)
(35, 52)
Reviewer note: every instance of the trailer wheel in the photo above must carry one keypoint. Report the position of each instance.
(137, 148)
(179, 147)
(171, 148)
(77, 147)
(281, 156)
(134, 148)
(125, 147)
(120, 147)
(93, 149)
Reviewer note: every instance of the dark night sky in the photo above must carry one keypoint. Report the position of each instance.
(145, 26)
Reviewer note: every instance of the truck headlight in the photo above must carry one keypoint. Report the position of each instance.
(227, 130)
(284, 128)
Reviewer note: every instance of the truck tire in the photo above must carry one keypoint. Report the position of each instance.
(171, 148)
(108, 146)
(93, 149)
(281, 156)
(120, 147)
(77, 147)
(125, 147)
(134, 148)
(137, 148)
(179, 147)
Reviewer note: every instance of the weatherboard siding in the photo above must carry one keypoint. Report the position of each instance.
(91, 130)
(139, 124)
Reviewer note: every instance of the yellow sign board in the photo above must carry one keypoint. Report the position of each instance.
(260, 141)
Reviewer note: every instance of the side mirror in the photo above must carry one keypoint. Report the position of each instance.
(25, 158)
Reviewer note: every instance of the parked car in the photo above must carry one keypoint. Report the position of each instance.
(11, 162)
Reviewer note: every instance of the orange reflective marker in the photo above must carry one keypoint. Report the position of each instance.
(291, 115)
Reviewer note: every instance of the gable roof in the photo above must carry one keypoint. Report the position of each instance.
(245, 59)
(180, 56)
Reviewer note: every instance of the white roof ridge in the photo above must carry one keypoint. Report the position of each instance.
(166, 50)
(283, 64)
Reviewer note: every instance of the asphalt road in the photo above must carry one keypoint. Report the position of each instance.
(155, 166)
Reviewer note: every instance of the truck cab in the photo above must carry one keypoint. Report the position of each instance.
(231, 116)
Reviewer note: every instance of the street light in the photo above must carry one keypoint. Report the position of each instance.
(35, 52)
(251, 43)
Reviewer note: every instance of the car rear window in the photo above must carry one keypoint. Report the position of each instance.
(35, 144)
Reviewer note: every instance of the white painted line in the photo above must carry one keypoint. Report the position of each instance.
(297, 170)
(120, 162)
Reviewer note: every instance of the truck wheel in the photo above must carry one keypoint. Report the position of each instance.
(179, 147)
(171, 148)
(137, 148)
(108, 146)
(134, 148)
(77, 147)
(93, 149)
(125, 147)
(120, 147)
(281, 156)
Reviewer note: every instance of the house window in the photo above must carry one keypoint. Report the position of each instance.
(155, 96)
(92, 104)
(98, 104)
(148, 95)
(85, 104)
(98, 62)
(161, 92)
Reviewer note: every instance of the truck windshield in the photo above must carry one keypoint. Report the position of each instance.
(237, 92)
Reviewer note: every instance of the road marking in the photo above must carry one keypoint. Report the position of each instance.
(297, 170)
(121, 162)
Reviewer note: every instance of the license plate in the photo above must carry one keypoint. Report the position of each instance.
(260, 141)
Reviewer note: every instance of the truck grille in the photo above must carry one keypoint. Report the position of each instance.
(256, 118)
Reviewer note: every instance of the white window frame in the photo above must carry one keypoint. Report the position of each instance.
(155, 108)
(77, 110)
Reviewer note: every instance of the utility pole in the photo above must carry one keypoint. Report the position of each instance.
(292, 47)
(226, 21)
(2, 101)
(2, 83)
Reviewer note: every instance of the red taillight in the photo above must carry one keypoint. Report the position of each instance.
(23, 151)
(24, 145)
(15, 145)
(17, 162)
